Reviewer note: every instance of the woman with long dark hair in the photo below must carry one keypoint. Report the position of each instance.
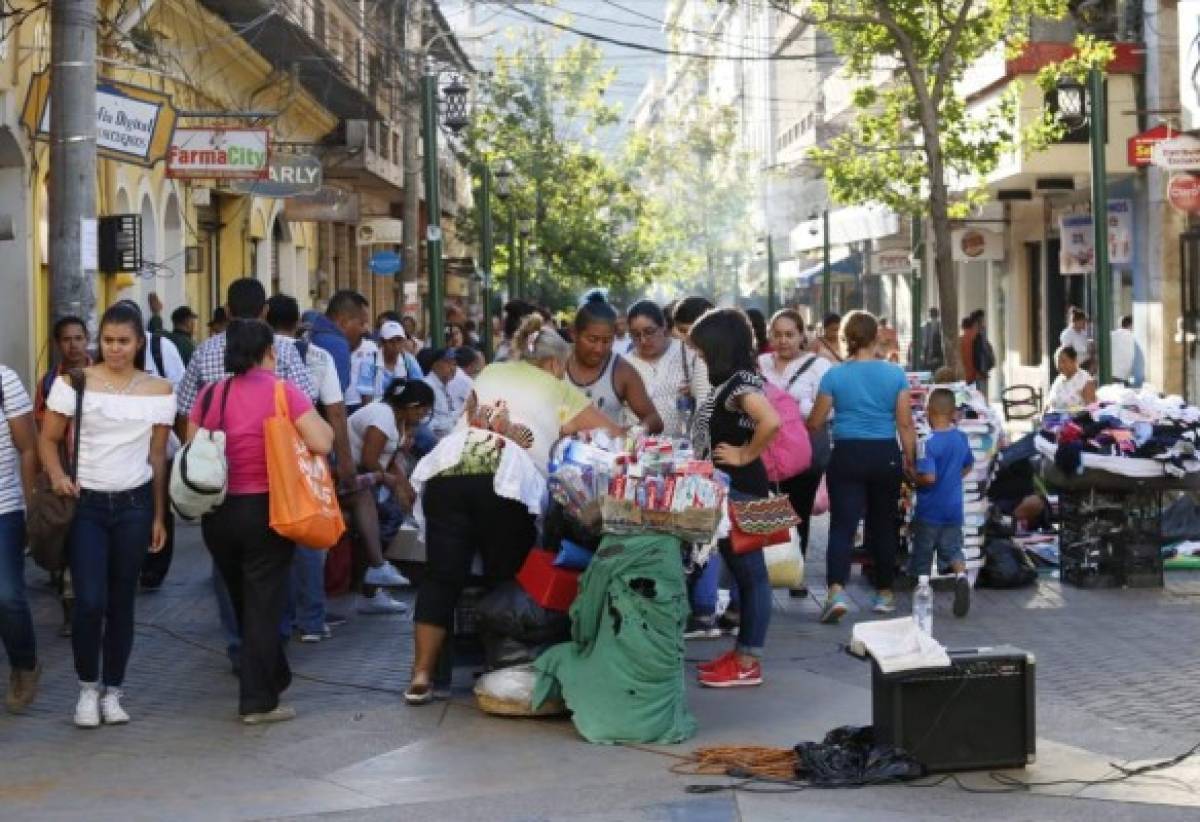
(870, 400)
(734, 425)
(254, 560)
(121, 511)
(605, 378)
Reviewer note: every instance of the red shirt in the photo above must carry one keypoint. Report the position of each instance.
(251, 402)
(966, 350)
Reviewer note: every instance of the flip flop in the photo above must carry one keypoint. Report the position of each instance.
(419, 694)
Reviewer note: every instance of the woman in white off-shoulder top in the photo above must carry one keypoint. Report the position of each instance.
(120, 486)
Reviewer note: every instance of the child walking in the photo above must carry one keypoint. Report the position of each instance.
(938, 521)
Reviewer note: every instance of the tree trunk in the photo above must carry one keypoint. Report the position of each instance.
(939, 216)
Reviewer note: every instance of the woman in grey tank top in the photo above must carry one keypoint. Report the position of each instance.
(608, 380)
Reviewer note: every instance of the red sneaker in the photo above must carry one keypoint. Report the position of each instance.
(730, 673)
(713, 664)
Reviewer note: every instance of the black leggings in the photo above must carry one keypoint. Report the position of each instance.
(801, 491)
(464, 515)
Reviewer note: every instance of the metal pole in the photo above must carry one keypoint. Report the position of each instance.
(514, 274)
(772, 300)
(827, 275)
(1099, 128)
(433, 207)
(411, 143)
(485, 252)
(918, 254)
(72, 206)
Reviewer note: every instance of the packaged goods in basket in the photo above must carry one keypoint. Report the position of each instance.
(637, 485)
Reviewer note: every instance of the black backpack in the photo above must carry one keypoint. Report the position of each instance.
(1006, 565)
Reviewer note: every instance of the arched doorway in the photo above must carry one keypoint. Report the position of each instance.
(150, 278)
(174, 285)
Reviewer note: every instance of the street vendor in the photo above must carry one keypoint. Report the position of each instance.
(483, 485)
(1073, 388)
(604, 376)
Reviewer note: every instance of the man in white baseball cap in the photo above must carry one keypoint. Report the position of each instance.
(397, 363)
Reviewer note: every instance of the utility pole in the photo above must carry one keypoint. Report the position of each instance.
(433, 206)
(1099, 127)
(827, 273)
(485, 250)
(72, 206)
(411, 140)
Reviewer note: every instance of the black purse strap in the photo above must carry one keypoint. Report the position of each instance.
(79, 383)
(206, 403)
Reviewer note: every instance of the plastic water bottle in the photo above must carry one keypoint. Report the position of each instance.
(922, 606)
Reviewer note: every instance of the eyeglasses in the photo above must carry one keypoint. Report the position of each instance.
(648, 334)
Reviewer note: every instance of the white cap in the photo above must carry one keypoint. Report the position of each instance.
(390, 330)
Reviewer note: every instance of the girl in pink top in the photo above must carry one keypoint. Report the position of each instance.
(254, 561)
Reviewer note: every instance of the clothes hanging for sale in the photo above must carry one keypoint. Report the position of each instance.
(622, 673)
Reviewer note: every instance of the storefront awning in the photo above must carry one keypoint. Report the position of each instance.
(843, 270)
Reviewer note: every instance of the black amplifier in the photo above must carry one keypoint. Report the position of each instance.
(974, 715)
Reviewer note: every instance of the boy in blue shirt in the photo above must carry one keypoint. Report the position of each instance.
(938, 520)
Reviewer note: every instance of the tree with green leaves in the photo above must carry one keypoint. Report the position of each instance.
(541, 110)
(913, 137)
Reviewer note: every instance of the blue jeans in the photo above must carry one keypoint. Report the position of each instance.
(106, 546)
(754, 597)
(16, 622)
(863, 475)
(704, 586)
(306, 593)
(927, 537)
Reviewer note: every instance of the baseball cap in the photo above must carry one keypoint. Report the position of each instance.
(390, 330)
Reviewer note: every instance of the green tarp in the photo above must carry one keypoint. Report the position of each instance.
(622, 673)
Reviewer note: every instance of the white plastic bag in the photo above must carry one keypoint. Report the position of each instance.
(785, 563)
(509, 692)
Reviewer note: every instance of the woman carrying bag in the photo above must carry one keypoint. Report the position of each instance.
(254, 559)
(733, 427)
(120, 488)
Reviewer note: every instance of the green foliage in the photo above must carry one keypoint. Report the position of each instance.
(540, 110)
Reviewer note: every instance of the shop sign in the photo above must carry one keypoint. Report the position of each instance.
(220, 153)
(380, 231)
(329, 204)
(133, 124)
(1140, 148)
(975, 245)
(1078, 247)
(1180, 153)
(891, 261)
(386, 263)
(1183, 192)
(288, 175)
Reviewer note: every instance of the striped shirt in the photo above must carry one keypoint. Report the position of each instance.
(14, 404)
(208, 366)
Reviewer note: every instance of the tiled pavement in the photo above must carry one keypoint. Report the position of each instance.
(1118, 675)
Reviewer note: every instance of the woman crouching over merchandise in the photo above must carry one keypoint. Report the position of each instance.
(483, 485)
(120, 485)
(733, 427)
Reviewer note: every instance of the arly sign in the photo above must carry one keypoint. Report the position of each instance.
(133, 124)
(220, 153)
(288, 175)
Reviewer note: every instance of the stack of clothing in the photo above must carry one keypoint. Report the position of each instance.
(1132, 433)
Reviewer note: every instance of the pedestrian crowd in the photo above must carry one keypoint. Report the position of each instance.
(416, 436)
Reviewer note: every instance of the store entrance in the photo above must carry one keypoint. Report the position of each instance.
(1184, 334)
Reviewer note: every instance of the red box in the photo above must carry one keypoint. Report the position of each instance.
(552, 588)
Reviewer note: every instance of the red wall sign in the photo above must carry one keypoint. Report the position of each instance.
(1183, 192)
(1141, 146)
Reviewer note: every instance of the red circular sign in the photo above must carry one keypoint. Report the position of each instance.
(1183, 192)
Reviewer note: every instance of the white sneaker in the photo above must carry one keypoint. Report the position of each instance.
(381, 603)
(386, 576)
(110, 707)
(87, 709)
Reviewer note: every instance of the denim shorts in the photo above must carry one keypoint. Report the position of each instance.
(927, 537)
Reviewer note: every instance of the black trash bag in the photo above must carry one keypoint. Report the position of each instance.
(508, 612)
(849, 757)
(1006, 565)
(506, 652)
(558, 526)
(1181, 520)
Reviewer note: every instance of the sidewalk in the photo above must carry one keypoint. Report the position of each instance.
(1117, 680)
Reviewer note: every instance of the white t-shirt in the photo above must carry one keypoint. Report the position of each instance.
(803, 388)
(1067, 394)
(1124, 352)
(15, 404)
(323, 370)
(378, 415)
(449, 399)
(114, 439)
(173, 368)
(365, 361)
(1077, 340)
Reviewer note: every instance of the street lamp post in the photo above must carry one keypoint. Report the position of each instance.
(485, 250)
(524, 229)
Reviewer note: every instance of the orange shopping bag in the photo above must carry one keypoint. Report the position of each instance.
(304, 506)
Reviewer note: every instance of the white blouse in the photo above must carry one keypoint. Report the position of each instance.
(663, 378)
(114, 440)
(1067, 394)
(803, 388)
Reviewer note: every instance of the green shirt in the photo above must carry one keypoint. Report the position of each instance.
(185, 344)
